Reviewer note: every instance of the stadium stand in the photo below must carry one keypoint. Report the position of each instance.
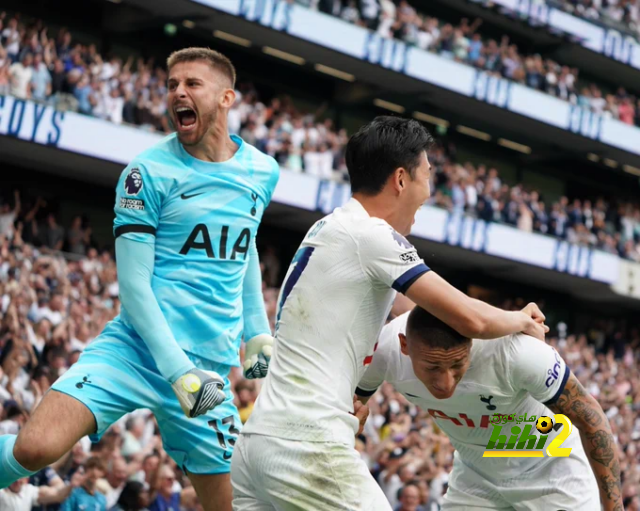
(615, 13)
(464, 42)
(75, 77)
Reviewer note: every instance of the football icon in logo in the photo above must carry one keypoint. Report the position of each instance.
(544, 424)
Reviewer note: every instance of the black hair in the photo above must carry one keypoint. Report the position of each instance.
(379, 148)
(431, 331)
(130, 497)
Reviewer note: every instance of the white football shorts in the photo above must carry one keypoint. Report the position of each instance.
(566, 484)
(269, 473)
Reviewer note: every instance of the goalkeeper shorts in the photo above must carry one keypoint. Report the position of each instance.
(112, 378)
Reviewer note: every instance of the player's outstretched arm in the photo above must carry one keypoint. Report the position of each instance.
(595, 432)
(257, 332)
(472, 318)
(198, 391)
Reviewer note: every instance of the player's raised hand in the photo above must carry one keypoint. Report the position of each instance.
(199, 391)
(257, 355)
(78, 478)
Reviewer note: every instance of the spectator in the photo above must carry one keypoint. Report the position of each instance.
(8, 216)
(115, 483)
(133, 497)
(409, 498)
(78, 237)
(86, 495)
(49, 478)
(166, 496)
(245, 396)
(40, 79)
(20, 74)
(626, 111)
(11, 39)
(23, 496)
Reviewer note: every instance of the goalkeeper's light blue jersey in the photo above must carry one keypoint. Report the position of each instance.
(203, 216)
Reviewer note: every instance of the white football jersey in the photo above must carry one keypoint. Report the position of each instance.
(332, 306)
(515, 374)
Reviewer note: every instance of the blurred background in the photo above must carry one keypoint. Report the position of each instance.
(535, 107)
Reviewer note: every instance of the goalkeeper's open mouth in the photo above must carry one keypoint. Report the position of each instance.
(186, 118)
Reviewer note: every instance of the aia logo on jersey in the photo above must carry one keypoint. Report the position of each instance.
(133, 182)
(216, 246)
(401, 240)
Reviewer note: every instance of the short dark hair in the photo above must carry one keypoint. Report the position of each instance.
(95, 462)
(431, 331)
(130, 495)
(382, 146)
(214, 58)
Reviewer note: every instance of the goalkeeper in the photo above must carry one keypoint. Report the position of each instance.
(186, 215)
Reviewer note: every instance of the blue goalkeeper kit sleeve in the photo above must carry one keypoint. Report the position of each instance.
(135, 269)
(255, 315)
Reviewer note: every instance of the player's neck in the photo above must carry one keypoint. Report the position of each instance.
(216, 146)
(381, 206)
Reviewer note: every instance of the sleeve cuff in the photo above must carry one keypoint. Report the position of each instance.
(404, 281)
(365, 393)
(551, 401)
(124, 229)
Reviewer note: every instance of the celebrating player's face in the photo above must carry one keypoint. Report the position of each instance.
(439, 369)
(197, 95)
(416, 192)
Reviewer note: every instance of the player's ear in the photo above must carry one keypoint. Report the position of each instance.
(399, 180)
(228, 98)
(403, 344)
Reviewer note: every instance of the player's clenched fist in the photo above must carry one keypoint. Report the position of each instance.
(257, 355)
(199, 391)
(534, 311)
(535, 328)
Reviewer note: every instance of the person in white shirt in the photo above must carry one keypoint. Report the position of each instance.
(296, 450)
(462, 383)
(20, 75)
(22, 496)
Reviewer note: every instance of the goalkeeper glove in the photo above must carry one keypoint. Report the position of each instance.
(257, 355)
(199, 391)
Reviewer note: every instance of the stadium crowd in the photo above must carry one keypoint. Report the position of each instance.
(53, 306)
(36, 64)
(75, 76)
(464, 43)
(302, 144)
(616, 13)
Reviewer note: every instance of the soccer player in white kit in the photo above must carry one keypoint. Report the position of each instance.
(296, 451)
(461, 383)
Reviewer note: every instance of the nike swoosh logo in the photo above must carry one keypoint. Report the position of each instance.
(412, 395)
(184, 196)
